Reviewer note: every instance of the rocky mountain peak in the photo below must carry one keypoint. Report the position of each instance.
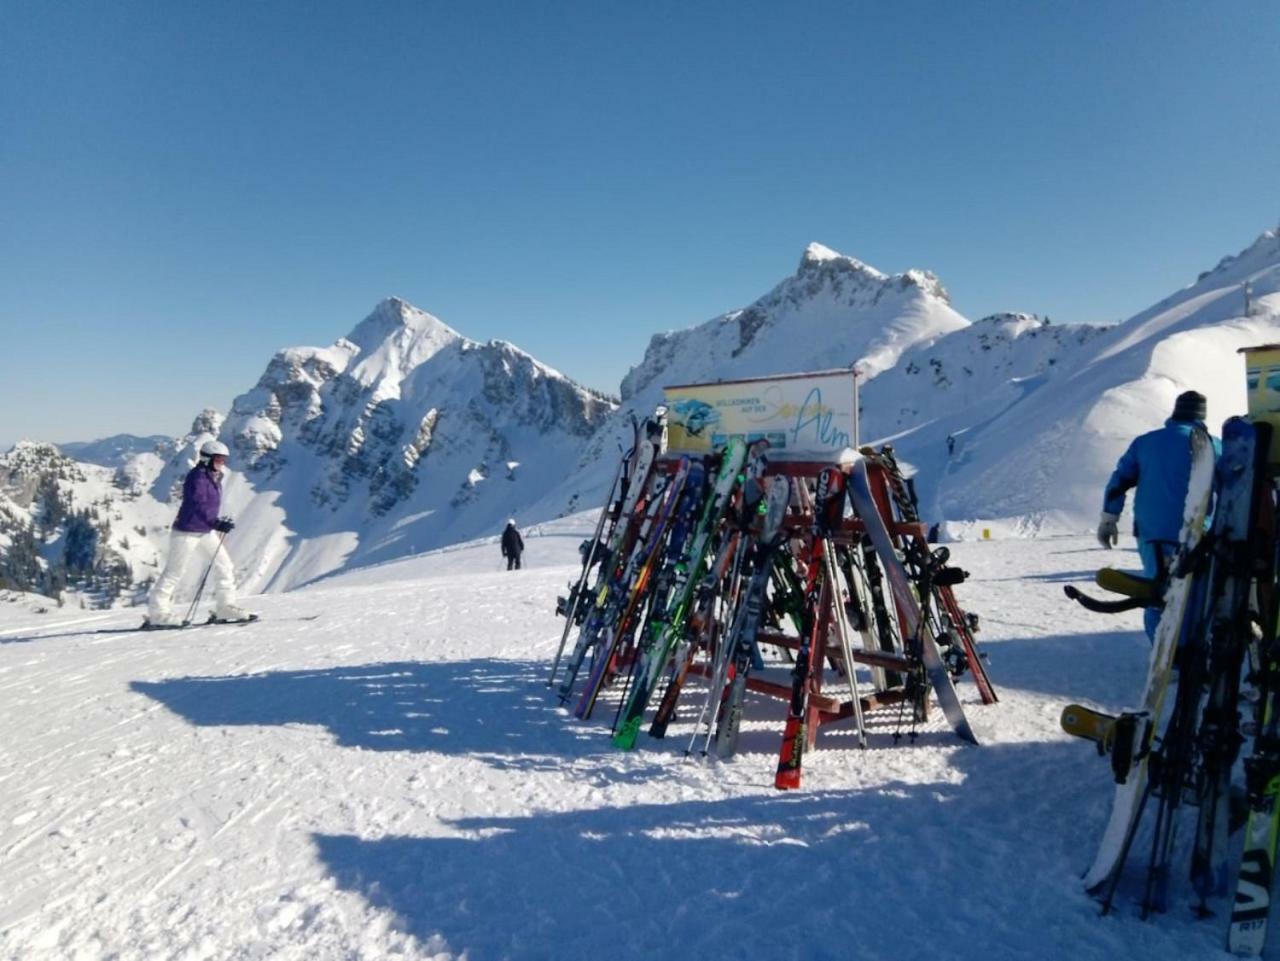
(395, 338)
(208, 421)
(822, 266)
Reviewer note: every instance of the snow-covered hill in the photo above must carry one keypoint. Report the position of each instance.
(400, 437)
(1041, 460)
(406, 436)
(977, 367)
(378, 770)
(117, 450)
(77, 532)
(1039, 413)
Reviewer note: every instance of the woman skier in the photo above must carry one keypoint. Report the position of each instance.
(198, 532)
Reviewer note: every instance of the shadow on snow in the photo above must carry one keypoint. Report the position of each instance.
(902, 870)
(495, 710)
(1107, 667)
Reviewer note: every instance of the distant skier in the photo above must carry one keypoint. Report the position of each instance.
(951, 444)
(198, 532)
(1159, 464)
(512, 545)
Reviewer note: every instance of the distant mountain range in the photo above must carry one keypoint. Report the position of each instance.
(405, 436)
(117, 450)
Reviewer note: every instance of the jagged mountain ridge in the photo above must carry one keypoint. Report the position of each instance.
(835, 311)
(76, 531)
(402, 436)
(117, 450)
(987, 364)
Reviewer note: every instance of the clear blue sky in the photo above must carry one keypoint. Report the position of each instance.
(186, 187)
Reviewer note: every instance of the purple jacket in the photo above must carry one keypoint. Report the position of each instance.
(201, 498)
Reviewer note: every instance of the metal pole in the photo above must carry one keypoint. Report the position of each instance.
(195, 601)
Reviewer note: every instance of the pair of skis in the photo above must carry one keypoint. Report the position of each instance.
(1220, 583)
(1135, 730)
(920, 640)
(617, 553)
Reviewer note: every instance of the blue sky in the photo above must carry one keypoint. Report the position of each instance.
(185, 188)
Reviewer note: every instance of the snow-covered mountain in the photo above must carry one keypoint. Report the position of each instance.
(75, 531)
(406, 436)
(400, 437)
(1039, 412)
(985, 366)
(1041, 460)
(117, 450)
(834, 311)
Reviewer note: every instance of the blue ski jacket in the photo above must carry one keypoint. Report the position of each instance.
(1159, 464)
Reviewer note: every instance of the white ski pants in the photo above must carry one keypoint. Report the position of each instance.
(184, 547)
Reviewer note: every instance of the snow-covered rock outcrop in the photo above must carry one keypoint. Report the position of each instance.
(982, 366)
(75, 531)
(402, 436)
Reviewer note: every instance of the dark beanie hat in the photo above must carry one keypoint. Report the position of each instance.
(1190, 405)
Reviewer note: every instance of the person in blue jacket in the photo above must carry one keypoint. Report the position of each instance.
(196, 534)
(1158, 463)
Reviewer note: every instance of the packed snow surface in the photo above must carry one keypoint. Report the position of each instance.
(377, 769)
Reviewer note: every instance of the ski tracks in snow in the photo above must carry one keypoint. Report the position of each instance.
(395, 779)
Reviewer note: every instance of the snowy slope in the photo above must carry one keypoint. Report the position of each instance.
(393, 779)
(984, 366)
(1041, 462)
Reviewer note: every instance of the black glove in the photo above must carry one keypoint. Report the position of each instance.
(224, 525)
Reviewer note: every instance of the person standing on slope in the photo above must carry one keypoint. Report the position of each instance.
(1158, 463)
(512, 545)
(198, 531)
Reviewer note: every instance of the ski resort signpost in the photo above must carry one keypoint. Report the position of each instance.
(804, 417)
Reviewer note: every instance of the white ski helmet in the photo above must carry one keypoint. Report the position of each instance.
(211, 448)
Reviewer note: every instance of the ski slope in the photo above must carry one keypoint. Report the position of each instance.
(377, 770)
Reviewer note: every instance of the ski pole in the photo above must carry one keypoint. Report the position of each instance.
(195, 601)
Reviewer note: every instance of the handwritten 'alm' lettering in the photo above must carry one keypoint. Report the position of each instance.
(815, 417)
